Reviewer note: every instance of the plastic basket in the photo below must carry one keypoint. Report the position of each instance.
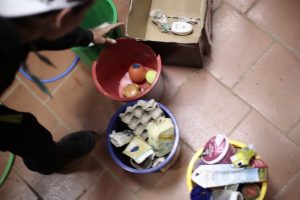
(123, 161)
(107, 72)
(195, 158)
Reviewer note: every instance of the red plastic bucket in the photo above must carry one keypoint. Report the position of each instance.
(113, 63)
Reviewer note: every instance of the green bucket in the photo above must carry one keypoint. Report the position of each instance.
(7, 169)
(101, 11)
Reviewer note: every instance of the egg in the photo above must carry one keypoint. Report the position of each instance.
(131, 90)
(137, 73)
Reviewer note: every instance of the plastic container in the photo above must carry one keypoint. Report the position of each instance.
(195, 158)
(7, 168)
(113, 63)
(123, 161)
(101, 11)
(55, 78)
(219, 149)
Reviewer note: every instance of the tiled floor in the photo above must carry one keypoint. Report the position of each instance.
(248, 90)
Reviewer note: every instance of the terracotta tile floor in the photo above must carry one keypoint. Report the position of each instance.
(249, 90)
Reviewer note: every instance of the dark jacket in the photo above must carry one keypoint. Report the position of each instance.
(13, 52)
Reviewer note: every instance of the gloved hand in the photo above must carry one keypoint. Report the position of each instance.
(100, 33)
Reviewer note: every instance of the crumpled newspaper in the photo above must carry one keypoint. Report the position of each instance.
(189, 20)
(159, 18)
(121, 138)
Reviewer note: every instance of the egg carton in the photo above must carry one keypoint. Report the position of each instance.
(139, 115)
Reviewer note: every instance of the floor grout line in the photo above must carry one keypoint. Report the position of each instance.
(81, 195)
(287, 185)
(293, 126)
(275, 127)
(254, 110)
(57, 117)
(188, 145)
(29, 186)
(252, 66)
(11, 91)
(249, 105)
(291, 50)
(192, 74)
(28, 88)
(186, 80)
(240, 121)
(86, 189)
(216, 8)
(44, 104)
(251, 6)
(112, 173)
(56, 128)
(275, 39)
(65, 79)
(290, 130)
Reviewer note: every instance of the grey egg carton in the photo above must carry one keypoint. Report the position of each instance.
(139, 115)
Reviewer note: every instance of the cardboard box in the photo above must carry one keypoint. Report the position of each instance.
(174, 49)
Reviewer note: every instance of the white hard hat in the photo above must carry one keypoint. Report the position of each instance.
(21, 8)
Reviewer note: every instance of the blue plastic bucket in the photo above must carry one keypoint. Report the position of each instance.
(122, 160)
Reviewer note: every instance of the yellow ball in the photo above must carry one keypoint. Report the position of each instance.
(150, 76)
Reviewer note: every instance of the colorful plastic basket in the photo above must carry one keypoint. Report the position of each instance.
(196, 157)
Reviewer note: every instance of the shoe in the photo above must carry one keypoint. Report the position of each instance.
(75, 145)
(70, 148)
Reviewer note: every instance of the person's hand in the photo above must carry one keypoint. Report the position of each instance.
(100, 33)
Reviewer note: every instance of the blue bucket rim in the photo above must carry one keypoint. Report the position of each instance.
(153, 169)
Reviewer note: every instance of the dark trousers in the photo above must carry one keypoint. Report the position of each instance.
(23, 135)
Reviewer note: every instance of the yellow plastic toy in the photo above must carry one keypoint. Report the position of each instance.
(195, 158)
(243, 157)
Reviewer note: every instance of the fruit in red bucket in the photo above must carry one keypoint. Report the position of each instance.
(137, 73)
(108, 74)
(150, 76)
(131, 90)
